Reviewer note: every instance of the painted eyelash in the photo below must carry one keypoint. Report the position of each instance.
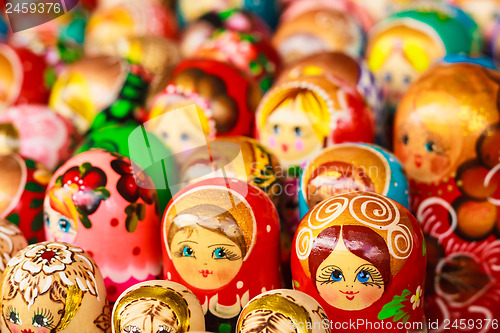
(325, 276)
(45, 313)
(377, 279)
(132, 329)
(230, 255)
(11, 309)
(180, 252)
(165, 329)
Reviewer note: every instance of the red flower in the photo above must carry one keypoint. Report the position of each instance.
(132, 188)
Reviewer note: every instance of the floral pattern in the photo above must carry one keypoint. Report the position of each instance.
(86, 187)
(35, 270)
(415, 299)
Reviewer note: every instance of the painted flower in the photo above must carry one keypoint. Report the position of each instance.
(34, 270)
(131, 187)
(415, 299)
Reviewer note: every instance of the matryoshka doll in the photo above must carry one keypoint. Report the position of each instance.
(111, 23)
(283, 311)
(351, 167)
(352, 71)
(250, 53)
(38, 133)
(447, 132)
(98, 85)
(22, 188)
(234, 19)
(54, 287)
(22, 78)
(95, 201)
(403, 46)
(319, 30)
(157, 307)
(225, 101)
(12, 241)
(297, 118)
(221, 240)
(362, 257)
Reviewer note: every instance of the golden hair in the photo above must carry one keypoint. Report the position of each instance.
(417, 47)
(9, 131)
(305, 100)
(160, 108)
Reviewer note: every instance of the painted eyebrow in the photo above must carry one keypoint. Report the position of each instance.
(187, 241)
(222, 245)
(365, 265)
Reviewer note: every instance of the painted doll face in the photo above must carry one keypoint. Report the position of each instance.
(179, 135)
(348, 282)
(289, 134)
(148, 316)
(58, 227)
(396, 76)
(205, 259)
(35, 319)
(425, 155)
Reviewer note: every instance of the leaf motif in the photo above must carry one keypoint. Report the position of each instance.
(85, 220)
(36, 203)
(37, 222)
(59, 180)
(131, 223)
(103, 192)
(14, 218)
(84, 168)
(34, 187)
(141, 211)
(395, 307)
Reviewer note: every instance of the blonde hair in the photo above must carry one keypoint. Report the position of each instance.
(306, 100)
(160, 108)
(419, 48)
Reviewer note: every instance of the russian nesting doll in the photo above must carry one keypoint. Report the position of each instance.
(38, 133)
(283, 311)
(22, 187)
(447, 132)
(224, 102)
(157, 307)
(319, 30)
(221, 240)
(401, 47)
(95, 90)
(97, 201)
(351, 167)
(362, 257)
(23, 77)
(54, 287)
(250, 53)
(235, 19)
(12, 241)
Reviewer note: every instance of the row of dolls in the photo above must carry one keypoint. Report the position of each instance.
(357, 255)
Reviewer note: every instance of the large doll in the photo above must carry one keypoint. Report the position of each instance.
(362, 257)
(54, 287)
(221, 240)
(447, 138)
(96, 200)
(157, 307)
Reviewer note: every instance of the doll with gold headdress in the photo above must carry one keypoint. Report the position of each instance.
(54, 287)
(157, 307)
(221, 240)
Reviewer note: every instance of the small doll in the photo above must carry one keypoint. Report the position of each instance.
(447, 132)
(362, 257)
(54, 287)
(157, 307)
(215, 235)
(22, 188)
(38, 133)
(97, 201)
(283, 311)
(351, 167)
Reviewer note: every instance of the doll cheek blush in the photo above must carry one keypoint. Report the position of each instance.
(299, 145)
(272, 142)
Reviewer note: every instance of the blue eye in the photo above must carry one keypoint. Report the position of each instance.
(405, 139)
(388, 77)
(46, 219)
(220, 253)
(336, 275)
(164, 135)
(64, 224)
(187, 251)
(276, 129)
(407, 80)
(430, 146)
(184, 137)
(363, 276)
(298, 131)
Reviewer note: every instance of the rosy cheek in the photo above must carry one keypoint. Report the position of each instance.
(299, 145)
(13, 328)
(272, 141)
(439, 164)
(329, 294)
(370, 295)
(42, 330)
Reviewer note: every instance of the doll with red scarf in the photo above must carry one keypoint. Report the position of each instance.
(221, 240)
(362, 257)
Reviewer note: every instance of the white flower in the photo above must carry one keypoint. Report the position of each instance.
(415, 299)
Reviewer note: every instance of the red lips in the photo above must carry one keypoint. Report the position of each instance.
(284, 148)
(347, 293)
(418, 161)
(27, 331)
(205, 272)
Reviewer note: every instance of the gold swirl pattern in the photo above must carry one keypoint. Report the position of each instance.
(304, 243)
(327, 212)
(385, 216)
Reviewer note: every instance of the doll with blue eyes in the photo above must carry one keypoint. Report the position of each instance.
(361, 255)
